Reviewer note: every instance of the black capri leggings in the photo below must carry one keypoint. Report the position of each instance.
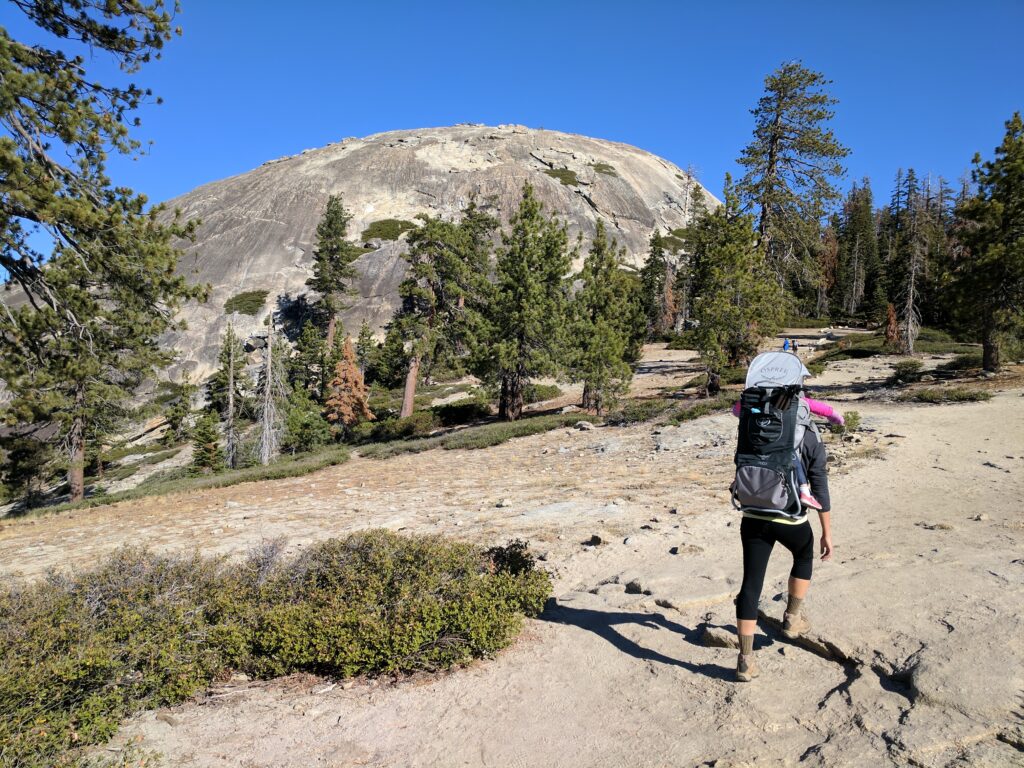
(759, 536)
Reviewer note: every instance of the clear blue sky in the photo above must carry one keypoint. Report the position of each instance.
(921, 84)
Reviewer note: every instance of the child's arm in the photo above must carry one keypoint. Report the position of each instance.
(736, 409)
(826, 411)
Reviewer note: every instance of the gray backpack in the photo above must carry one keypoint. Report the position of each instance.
(773, 420)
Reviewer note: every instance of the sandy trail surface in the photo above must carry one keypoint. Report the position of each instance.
(915, 656)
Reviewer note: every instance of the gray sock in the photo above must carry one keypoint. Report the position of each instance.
(746, 644)
(793, 606)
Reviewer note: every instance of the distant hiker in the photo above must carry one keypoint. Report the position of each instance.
(785, 345)
(773, 420)
(796, 347)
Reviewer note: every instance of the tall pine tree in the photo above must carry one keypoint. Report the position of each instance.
(526, 318)
(790, 167)
(333, 272)
(989, 277)
(87, 334)
(737, 301)
(600, 325)
(444, 293)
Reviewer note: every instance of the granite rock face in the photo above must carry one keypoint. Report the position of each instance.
(258, 229)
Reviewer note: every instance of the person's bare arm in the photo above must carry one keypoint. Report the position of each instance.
(824, 517)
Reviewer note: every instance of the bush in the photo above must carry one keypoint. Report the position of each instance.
(698, 408)
(483, 436)
(462, 411)
(795, 321)
(538, 393)
(906, 370)
(963, 362)
(564, 175)
(605, 168)
(851, 424)
(247, 303)
(951, 395)
(145, 630)
(639, 411)
(387, 229)
(682, 340)
(419, 424)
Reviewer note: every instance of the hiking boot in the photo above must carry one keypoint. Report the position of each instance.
(807, 498)
(746, 668)
(794, 625)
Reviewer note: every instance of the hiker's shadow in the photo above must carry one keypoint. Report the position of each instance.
(603, 623)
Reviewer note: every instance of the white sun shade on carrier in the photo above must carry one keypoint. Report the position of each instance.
(776, 369)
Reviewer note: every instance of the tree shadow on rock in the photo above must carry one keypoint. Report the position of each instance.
(603, 623)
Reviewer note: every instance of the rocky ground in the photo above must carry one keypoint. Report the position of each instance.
(915, 656)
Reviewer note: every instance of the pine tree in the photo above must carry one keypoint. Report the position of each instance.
(736, 300)
(346, 404)
(206, 453)
(87, 334)
(526, 316)
(305, 428)
(859, 275)
(178, 412)
(790, 165)
(989, 277)
(391, 360)
(228, 390)
(333, 272)
(308, 366)
(599, 325)
(445, 292)
(657, 295)
(365, 347)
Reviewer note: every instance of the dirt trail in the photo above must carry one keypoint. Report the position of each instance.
(915, 657)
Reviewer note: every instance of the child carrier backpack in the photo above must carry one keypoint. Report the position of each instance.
(769, 427)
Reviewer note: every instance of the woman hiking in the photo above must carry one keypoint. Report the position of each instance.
(761, 526)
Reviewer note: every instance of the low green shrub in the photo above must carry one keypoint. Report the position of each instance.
(419, 424)
(483, 436)
(851, 424)
(906, 371)
(247, 303)
(538, 393)
(605, 168)
(462, 411)
(695, 409)
(682, 340)
(144, 630)
(639, 411)
(950, 395)
(734, 375)
(175, 480)
(564, 175)
(795, 321)
(963, 362)
(387, 229)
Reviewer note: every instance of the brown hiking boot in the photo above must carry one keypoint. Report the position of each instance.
(794, 625)
(746, 668)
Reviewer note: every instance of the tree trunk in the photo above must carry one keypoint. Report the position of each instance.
(332, 326)
(409, 397)
(714, 385)
(76, 450)
(990, 351)
(229, 426)
(510, 406)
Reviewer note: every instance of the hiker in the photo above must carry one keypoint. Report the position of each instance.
(765, 492)
(785, 345)
(796, 347)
